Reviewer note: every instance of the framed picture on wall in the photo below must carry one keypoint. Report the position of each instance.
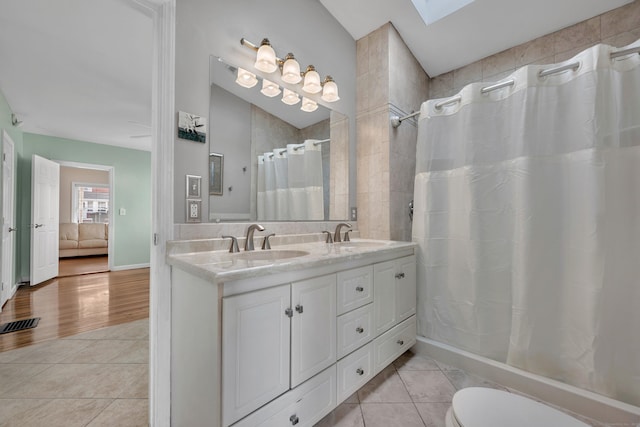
(192, 127)
(193, 186)
(216, 165)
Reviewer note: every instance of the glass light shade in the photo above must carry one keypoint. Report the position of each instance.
(270, 89)
(330, 91)
(266, 59)
(289, 97)
(308, 105)
(246, 79)
(291, 70)
(311, 81)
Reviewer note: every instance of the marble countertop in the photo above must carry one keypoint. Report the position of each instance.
(220, 266)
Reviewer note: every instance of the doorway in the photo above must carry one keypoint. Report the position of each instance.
(86, 200)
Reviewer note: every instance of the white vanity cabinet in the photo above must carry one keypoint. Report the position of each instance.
(273, 340)
(395, 292)
(284, 348)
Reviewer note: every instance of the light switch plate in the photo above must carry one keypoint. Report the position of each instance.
(123, 211)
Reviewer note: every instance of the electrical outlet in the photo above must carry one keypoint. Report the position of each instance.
(354, 214)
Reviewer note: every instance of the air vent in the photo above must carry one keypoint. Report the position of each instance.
(19, 325)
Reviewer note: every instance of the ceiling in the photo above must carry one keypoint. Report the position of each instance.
(82, 69)
(480, 29)
(79, 69)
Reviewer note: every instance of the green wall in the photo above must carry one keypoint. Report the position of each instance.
(132, 191)
(16, 135)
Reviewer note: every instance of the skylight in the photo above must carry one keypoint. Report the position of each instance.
(433, 10)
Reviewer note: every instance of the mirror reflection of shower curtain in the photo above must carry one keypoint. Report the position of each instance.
(290, 185)
(527, 216)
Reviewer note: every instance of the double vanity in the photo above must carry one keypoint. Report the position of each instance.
(280, 337)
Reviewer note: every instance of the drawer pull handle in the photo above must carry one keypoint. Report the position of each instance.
(400, 276)
(401, 342)
(294, 419)
(359, 330)
(288, 312)
(359, 372)
(299, 308)
(359, 289)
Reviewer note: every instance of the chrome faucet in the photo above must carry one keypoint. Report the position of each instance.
(336, 235)
(248, 242)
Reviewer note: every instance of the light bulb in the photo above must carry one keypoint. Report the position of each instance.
(246, 78)
(308, 105)
(266, 57)
(330, 90)
(289, 97)
(311, 80)
(270, 89)
(291, 70)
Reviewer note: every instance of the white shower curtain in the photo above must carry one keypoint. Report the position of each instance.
(290, 185)
(527, 214)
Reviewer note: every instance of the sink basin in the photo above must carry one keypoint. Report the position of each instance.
(270, 255)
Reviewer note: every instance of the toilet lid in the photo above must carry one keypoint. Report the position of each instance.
(487, 407)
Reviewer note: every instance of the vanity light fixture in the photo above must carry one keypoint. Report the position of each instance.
(311, 80)
(269, 88)
(268, 62)
(246, 78)
(291, 70)
(329, 90)
(289, 97)
(266, 57)
(308, 105)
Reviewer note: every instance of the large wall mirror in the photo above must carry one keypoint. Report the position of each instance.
(270, 161)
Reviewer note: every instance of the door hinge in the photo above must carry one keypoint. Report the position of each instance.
(156, 239)
(4, 157)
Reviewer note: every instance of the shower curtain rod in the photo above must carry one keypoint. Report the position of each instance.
(315, 144)
(397, 121)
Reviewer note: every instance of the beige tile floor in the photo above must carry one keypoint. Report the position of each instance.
(100, 378)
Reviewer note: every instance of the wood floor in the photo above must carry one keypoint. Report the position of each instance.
(83, 265)
(74, 304)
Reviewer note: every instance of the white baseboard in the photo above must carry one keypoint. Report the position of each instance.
(129, 267)
(583, 402)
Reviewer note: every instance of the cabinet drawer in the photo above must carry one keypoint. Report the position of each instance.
(355, 329)
(388, 346)
(355, 288)
(303, 406)
(354, 371)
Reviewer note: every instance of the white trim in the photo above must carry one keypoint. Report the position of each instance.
(163, 129)
(130, 267)
(575, 399)
(112, 197)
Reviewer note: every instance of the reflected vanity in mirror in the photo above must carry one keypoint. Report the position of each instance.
(281, 162)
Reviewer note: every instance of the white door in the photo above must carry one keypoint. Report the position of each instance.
(255, 350)
(313, 327)
(8, 286)
(45, 199)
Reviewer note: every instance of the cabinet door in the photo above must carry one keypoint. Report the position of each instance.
(405, 288)
(255, 350)
(313, 327)
(384, 296)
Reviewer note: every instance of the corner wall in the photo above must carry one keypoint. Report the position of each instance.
(390, 82)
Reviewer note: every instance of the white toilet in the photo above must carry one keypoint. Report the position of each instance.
(487, 407)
